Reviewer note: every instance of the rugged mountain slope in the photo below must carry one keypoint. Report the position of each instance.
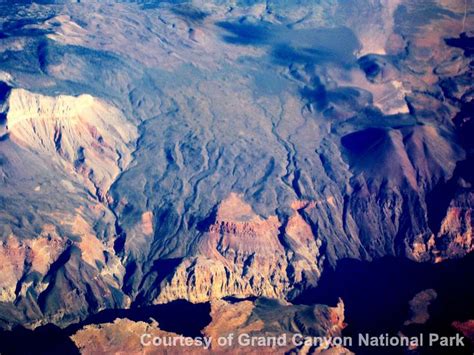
(264, 317)
(84, 134)
(154, 151)
(54, 264)
(241, 255)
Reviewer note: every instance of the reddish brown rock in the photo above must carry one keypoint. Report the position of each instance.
(82, 134)
(467, 328)
(242, 255)
(263, 318)
(20, 257)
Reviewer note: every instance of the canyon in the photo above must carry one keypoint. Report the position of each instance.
(231, 154)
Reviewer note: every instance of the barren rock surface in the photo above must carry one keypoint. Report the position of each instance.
(153, 151)
(254, 319)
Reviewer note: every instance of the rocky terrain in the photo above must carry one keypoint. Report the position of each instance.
(157, 151)
(264, 317)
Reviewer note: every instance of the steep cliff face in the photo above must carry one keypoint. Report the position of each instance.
(389, 203)
(57, 265)
(19, 258)
(159, 151)
(52, 279)
(250, 319)
(241, 254)
(455, 236)
(83, 134)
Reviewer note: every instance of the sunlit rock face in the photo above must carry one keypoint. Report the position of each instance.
(241, 255)
(157, 151)
(244, 319)
(83, 134)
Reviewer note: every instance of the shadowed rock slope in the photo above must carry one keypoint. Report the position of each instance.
(153, 151)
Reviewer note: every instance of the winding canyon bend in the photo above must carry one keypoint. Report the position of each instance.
(230, 153)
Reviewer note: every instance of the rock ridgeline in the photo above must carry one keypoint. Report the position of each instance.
(83, 134)
(243, 254)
